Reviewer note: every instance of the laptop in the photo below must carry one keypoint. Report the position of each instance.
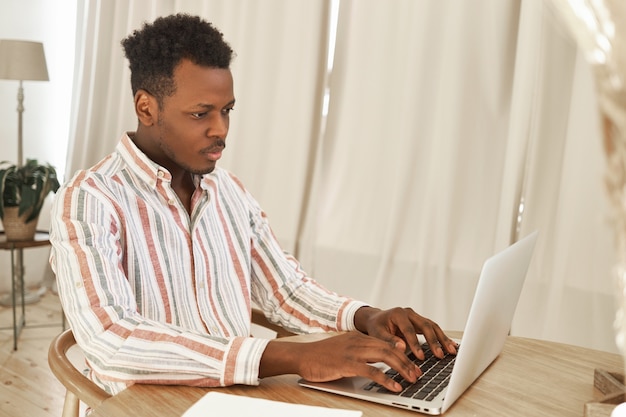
(486, 330)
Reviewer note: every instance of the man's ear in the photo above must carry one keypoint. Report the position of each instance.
(146, 107)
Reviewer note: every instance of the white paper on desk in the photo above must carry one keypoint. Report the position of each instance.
(217, 404)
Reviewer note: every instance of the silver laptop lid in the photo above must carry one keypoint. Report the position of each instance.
(491, 314)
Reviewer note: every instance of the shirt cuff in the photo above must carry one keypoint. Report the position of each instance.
(243, 361)
(347, 313)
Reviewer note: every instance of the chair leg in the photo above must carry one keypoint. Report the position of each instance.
(71, 406)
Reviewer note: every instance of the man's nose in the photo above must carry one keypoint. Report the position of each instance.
(219, 126)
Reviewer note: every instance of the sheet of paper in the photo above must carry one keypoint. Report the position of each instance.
(218, 404)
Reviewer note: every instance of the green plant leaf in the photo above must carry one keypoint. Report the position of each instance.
(26, 187)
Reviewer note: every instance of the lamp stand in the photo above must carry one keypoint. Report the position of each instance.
(29, 297)
(20, 110)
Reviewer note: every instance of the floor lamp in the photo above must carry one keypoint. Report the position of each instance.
(22, 61)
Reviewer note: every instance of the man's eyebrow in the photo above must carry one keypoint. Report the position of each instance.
(212, 106)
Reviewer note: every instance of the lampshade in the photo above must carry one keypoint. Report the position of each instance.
(22, 60)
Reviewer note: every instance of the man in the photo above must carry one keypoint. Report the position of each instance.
(159, 254)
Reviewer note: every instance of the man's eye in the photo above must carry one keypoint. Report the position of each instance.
(228, 110)
(198, 115)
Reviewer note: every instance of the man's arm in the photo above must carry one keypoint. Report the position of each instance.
(307, 306)
(283, 290)
(121, 345)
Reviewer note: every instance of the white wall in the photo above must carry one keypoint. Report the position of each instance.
(47, 104)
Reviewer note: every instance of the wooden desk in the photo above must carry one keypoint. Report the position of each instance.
(529, 378)
(18, 293)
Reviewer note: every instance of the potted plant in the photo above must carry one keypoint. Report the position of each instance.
(23, 190)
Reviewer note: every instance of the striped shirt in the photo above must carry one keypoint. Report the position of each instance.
(155, 295)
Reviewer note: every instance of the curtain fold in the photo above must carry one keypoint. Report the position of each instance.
(568, 295)
(441, 119)
(102, 107)
(413, 154)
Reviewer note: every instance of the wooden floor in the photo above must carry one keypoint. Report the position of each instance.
(27, 387)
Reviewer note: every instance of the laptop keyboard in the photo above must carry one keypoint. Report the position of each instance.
(435, 377)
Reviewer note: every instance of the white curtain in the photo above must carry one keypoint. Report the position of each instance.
(569, 293)
(102, 108)
(414, 152)
(442, 117)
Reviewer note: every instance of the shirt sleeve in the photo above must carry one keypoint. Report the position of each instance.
(121, 346)
(284, 291)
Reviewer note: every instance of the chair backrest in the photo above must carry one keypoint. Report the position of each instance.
(71, 378)
(259, 319)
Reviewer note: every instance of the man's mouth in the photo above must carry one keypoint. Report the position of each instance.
(214, 152)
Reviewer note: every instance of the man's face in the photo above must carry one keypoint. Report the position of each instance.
(193, 122)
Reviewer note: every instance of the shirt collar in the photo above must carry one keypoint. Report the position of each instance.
(138, 162)
(148, 170)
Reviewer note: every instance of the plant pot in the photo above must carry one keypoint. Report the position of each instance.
(15, 227)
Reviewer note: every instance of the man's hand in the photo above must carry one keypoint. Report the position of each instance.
(385, 336)
(399, 326)
(348, 354)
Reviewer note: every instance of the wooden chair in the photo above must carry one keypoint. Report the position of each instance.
(80, 388)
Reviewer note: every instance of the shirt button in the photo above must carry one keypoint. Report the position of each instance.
(160, 174)
(171, 202)
(79, 284)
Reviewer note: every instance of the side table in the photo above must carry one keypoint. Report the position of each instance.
(17, 278)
